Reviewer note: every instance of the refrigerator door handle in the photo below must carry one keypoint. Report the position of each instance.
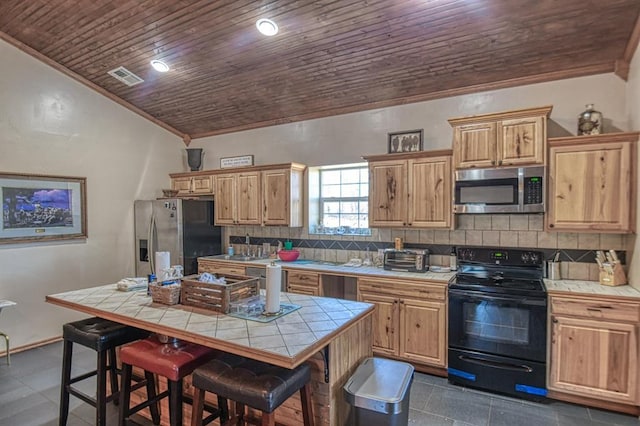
(152, 251)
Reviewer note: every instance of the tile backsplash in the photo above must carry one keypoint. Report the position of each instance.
(493, 230)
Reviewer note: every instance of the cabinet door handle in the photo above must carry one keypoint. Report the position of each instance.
(493, 162)
(554, 320)
(500, 163)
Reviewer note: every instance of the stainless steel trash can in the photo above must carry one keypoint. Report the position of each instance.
(379, 393)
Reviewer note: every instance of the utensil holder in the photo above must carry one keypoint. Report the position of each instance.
(553, 271)
(612, 274)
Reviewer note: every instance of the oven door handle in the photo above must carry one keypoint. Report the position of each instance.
(474, 296)
(495, 364)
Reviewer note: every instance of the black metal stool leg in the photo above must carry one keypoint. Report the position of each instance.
(125, 394)
(101, 392)
(175, 402)
(151, 395)
(67, 352)
(113, 374)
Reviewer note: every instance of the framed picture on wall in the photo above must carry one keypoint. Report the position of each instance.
(407, 141)
(42, 208)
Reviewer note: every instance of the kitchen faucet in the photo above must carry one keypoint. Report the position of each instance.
(247, 241)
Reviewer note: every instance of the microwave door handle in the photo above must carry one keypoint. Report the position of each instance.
(521, 190)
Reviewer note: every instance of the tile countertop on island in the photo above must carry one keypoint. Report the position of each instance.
(590, 288)
(338, 269)
(286, 341)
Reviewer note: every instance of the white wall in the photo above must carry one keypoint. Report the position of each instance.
(346, 138)
(633, 110)
(50, 124)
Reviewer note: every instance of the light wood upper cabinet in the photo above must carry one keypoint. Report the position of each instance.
(410, 190)
(192, 185)
(594, 349)
(238, 199)
(511, 138)
(388, 192)
(430, 192)
(474, 145)
(410, 319)
(283, 196)
(248, 198)
(592, 185)
(521, 141)
(261, 195)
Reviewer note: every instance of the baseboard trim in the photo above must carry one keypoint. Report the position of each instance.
(32, 345)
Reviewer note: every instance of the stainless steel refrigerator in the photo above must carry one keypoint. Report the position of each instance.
(184, 228)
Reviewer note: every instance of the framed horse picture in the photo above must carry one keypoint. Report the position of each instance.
(407, 141)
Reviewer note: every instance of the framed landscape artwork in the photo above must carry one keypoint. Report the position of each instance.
(42, 208)
(407, 141)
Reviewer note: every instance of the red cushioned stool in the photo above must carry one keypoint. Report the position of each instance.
(173, 360)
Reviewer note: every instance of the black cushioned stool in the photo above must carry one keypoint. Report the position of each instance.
(250, 383)
(103, 336)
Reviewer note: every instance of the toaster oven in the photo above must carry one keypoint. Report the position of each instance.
(406, 260)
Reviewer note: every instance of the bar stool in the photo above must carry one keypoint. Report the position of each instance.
(250, 383)
(103, 336)
(174, 361)
(5, 304)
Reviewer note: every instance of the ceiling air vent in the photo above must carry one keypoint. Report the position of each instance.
(125, 76)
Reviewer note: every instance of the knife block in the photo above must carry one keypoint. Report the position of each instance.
(612, 276)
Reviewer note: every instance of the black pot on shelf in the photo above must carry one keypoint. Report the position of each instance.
(194, 158)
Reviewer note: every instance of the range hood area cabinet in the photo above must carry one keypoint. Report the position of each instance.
(511, 138)
(262, 195)
(190, 184)
(410, 190)
(592, 183)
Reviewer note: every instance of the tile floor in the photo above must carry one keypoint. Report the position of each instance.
(29, 394)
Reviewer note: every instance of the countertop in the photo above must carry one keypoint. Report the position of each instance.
(339, 269)
(287, 341)
(590, 288)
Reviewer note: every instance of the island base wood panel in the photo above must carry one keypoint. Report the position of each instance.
(346, 352)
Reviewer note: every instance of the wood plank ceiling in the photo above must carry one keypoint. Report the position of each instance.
(330, 56)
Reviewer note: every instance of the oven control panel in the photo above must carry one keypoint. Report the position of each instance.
(500, 256)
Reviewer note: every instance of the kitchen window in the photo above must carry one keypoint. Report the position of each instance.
(339, 197)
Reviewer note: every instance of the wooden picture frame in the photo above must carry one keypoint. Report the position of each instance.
(406, 141)
(39, 208)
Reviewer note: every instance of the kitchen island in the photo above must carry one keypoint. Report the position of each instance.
(333, 335)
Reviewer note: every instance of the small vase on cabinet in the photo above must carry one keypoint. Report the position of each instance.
(194, 158)
(590, 122)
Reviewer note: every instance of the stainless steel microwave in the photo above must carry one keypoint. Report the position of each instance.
(505, 190)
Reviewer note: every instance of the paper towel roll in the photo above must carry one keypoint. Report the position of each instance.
(163, 263)
(274, 282)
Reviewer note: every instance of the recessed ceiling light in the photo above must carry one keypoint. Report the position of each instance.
(159, 66)
(267, 27)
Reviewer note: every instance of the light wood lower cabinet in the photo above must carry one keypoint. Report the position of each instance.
(410, 321)
(304, 283)
(222, 268)
(594, 349)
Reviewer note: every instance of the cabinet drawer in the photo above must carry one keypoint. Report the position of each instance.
(403, 289)
(304, 278)
(596, 309)
(222, 269)
(303, 289)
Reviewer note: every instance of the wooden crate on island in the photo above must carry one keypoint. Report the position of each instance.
(218, 297)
